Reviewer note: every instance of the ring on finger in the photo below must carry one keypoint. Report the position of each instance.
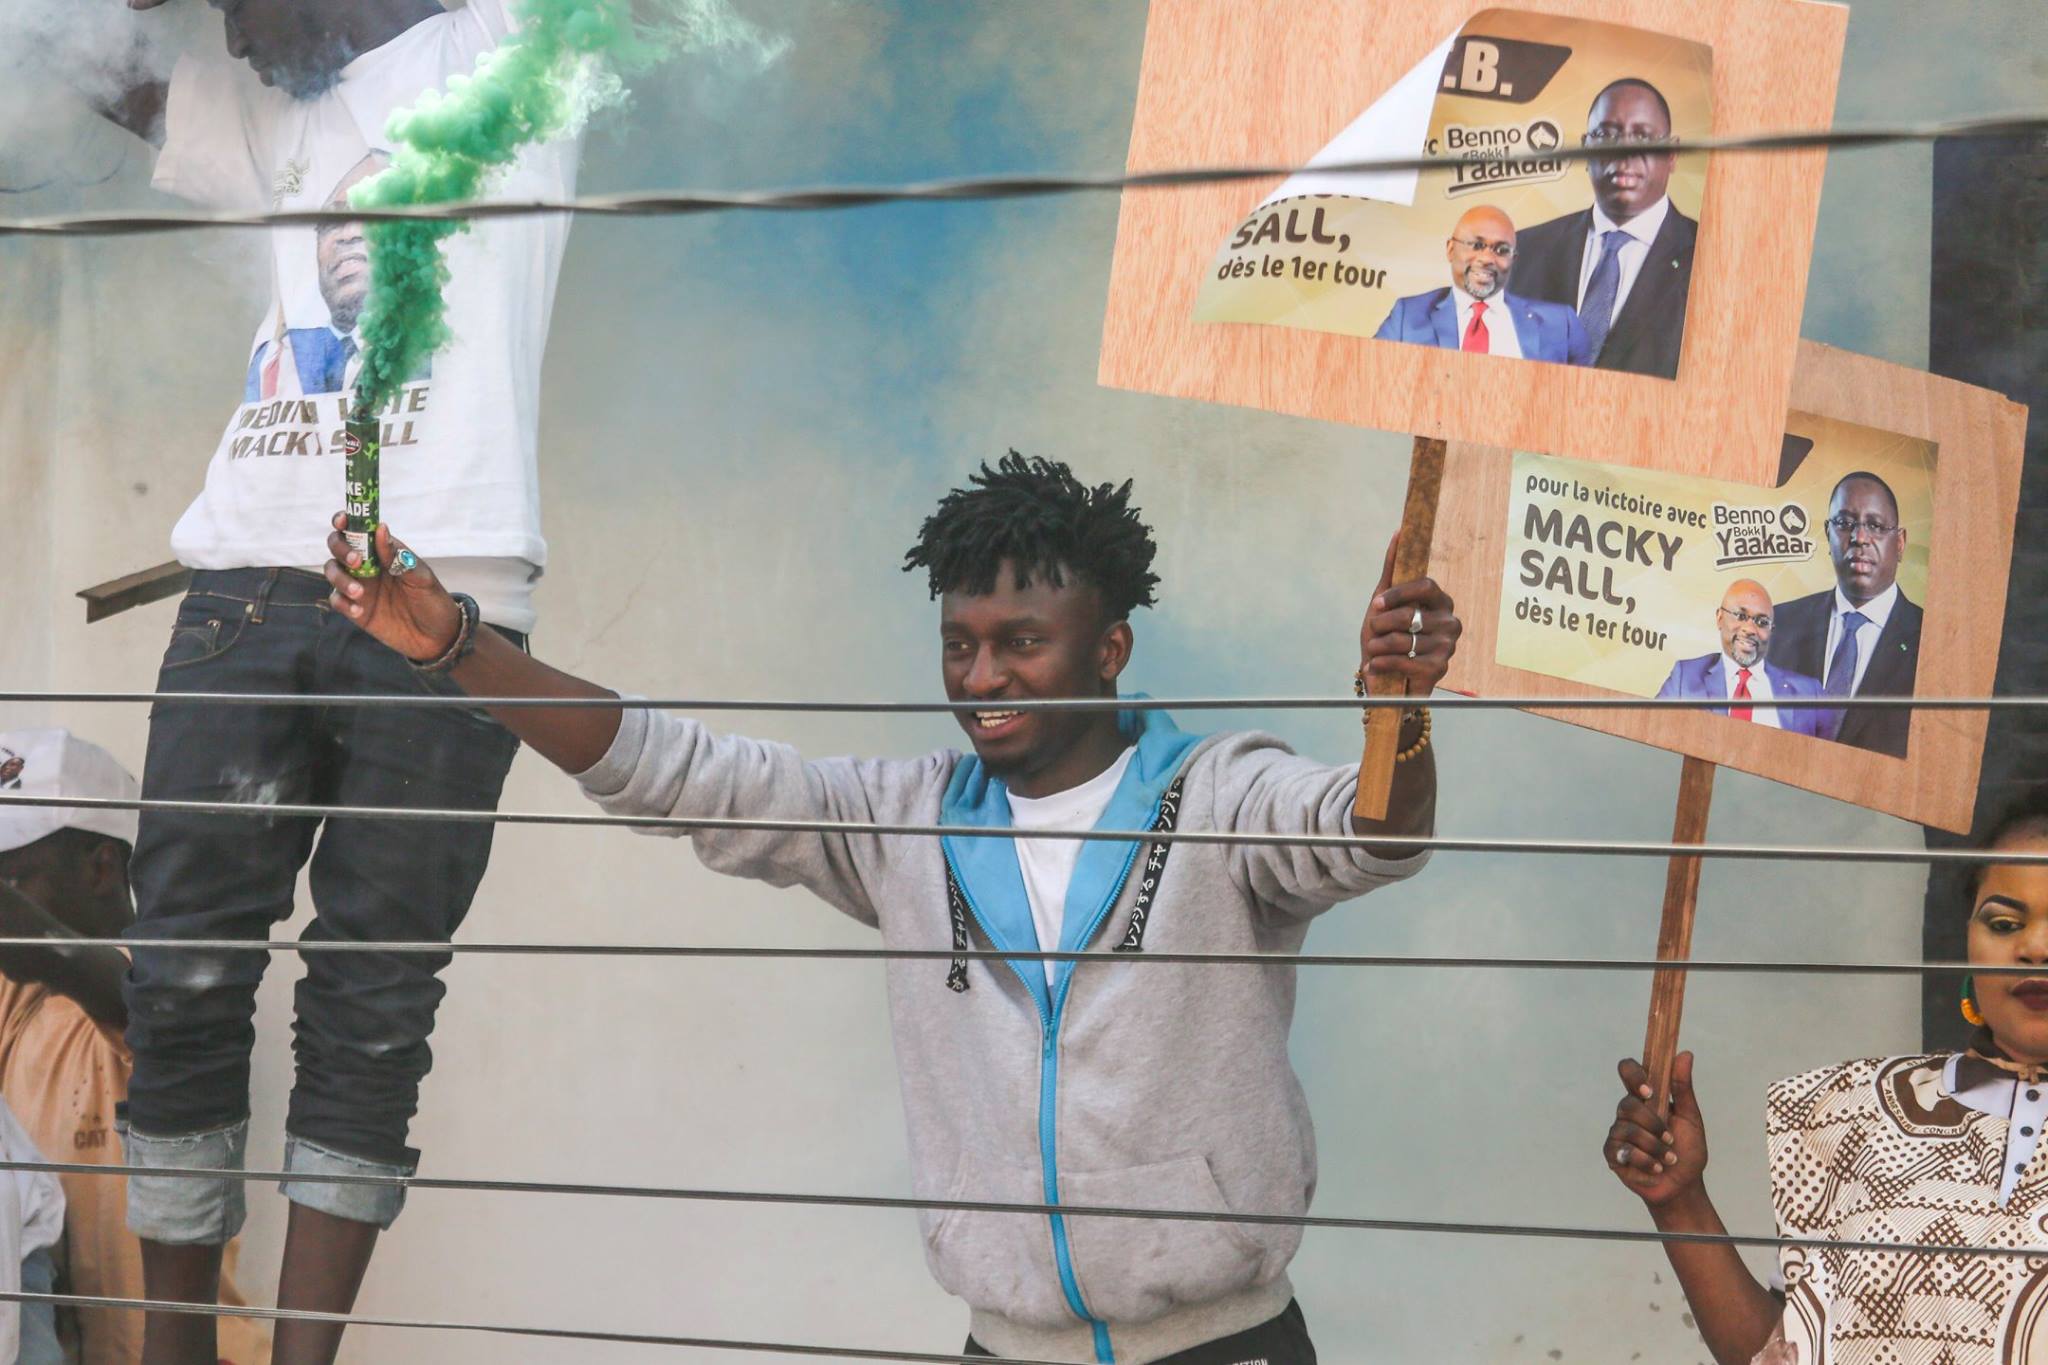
(403, 563)
(1415, 622)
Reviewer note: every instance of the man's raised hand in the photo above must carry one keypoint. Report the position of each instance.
(404, 608)
(1393, 629)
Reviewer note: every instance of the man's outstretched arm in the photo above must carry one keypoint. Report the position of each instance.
(646, 763)
(413, 614)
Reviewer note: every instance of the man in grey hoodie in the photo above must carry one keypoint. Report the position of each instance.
(1025, 1081)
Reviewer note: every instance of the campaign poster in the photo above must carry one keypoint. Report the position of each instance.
(1515, 251)
(1662, 585)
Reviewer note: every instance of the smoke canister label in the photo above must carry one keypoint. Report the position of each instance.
(361, 442)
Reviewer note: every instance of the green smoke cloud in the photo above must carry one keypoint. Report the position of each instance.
(561, 63)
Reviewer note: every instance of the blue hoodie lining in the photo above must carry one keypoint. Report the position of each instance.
(993, 879)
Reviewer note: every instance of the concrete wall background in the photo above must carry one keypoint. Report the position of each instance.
(745, 419)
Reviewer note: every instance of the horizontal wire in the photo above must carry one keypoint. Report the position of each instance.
(1732, 966)
(214, 1310)
(964, 189)
(1087, 704)
(1331, 1222)
(1621, 848)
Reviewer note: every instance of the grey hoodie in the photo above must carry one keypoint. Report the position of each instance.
(1134, 1085)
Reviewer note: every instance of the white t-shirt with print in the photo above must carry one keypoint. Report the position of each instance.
(459, 468)
(1048, 864)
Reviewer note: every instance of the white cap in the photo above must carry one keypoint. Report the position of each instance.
(55, 763)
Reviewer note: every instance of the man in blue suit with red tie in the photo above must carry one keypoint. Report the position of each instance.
(1739, 676)
(1477, 313)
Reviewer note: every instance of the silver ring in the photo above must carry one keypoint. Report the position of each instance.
(1415, 622)
(403, 563)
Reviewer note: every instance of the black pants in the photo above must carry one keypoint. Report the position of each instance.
(1283, 1341)
(360, 1035)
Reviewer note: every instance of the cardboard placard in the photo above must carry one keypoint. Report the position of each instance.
(1587, 580)
(1274, 294)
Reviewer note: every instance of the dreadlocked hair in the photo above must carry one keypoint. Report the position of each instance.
(1035, 514)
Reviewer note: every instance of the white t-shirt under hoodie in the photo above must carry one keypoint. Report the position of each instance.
(459, 463)
(1048, 864)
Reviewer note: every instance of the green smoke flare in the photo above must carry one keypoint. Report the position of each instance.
(559, 65)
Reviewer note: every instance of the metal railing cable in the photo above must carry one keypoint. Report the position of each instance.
(1442, 702)
(429, 947)
(1251, 838)
(974, 188)
(590, 1334)
(1334, 1222)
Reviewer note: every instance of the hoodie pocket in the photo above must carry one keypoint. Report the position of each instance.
(1137, 1269)
(999, 1262)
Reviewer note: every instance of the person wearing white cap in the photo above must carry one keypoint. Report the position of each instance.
(63, 1065)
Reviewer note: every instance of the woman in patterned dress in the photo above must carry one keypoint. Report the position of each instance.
(1938, 1150)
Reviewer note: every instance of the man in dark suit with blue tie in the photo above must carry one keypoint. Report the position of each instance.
(1625, 264)
(1739, 675)
(1467, 316)
(1862, 638)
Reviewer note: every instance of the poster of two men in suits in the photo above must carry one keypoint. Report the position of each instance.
(1663, 585)
(1514, 251)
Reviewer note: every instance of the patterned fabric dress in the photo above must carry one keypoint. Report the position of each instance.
(1879, 1150)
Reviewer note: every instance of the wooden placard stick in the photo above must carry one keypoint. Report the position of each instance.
(1411, 561)
(1674, 935)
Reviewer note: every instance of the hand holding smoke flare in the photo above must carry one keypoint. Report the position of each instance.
(559, 66)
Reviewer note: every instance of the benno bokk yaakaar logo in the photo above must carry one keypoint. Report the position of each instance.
(1761, 535)
(1495, 155)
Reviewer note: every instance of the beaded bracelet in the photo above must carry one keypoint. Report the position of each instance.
(464, 642)
(1421, 742)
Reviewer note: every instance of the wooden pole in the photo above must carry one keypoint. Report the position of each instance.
(1411, 561)
(1674, 935)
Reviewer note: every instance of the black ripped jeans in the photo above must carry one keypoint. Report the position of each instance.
(360, 1032)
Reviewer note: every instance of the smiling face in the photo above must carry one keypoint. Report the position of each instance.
(1745, 621)
(2009, 927)
(1866, 557)
(1626, 185)
(1032, 642)
(295, 45)
(1475, 251)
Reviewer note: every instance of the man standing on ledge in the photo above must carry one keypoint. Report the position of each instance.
(292, 107)
(1088, 1084)
(1626, 263)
